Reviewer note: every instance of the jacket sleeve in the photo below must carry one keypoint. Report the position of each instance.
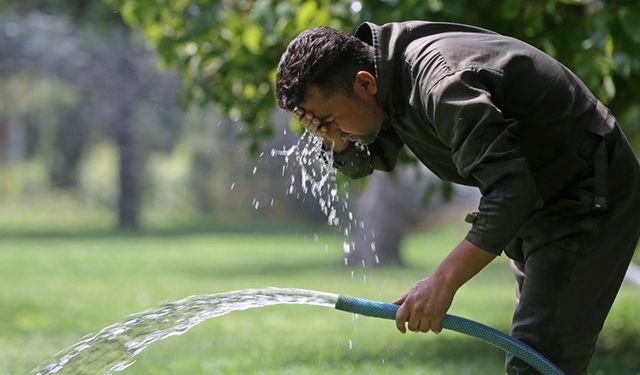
(382, 154)
(485, 146)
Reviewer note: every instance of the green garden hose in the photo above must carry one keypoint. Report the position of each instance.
(458, 324)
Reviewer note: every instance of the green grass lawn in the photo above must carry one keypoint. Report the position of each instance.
(55, 289)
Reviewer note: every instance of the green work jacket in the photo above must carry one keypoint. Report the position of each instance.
(481, 109)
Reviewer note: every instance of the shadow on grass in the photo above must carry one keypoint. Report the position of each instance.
(452, 351)
(457, 353)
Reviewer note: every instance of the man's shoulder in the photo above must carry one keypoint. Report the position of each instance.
(439, 55)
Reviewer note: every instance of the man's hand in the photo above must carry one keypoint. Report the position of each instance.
(329, 132)
(424, 306)
(310, 122)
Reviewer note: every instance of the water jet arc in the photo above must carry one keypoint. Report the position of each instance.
(455, 323)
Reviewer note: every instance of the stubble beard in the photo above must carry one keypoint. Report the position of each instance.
(368, 139)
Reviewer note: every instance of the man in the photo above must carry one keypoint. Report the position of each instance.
(560, 186)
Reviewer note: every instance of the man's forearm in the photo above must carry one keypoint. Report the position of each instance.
(464, 262)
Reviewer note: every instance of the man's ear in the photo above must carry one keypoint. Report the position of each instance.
(365, 82)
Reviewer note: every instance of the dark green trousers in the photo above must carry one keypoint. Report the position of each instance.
(572, 258)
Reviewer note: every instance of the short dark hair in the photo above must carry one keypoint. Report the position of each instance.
(324, 57)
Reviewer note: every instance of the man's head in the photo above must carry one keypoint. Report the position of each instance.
(331, 74)
(322, 57)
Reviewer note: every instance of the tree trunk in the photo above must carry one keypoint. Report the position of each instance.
(130, 174)
(389, 208)
(68, 150)
(201, 173)
(16, 139)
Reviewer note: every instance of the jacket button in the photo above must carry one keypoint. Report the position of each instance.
(539, 204)
(471, 217)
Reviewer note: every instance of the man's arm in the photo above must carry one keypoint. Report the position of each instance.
(486, 146)
(426, 303)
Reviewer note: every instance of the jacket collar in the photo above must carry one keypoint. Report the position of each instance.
(389, 42)
(384, 39)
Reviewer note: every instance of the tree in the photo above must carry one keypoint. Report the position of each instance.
(110, 76)
(227, 50)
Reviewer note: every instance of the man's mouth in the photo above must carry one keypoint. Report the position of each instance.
(364, 140)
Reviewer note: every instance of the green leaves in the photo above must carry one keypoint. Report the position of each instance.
(252, 38)
(227, 50)
(312, 13)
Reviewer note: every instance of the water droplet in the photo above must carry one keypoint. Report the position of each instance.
(233, 185)
(346, 248)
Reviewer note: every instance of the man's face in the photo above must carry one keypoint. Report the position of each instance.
(356, 117)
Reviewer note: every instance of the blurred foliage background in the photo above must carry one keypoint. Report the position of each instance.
(227, 50)
(160, 111)
(85, 111)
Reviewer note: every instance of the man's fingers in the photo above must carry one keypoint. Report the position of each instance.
(400, 300)
(414, 323)
(435, 325)
(308, 117)
(312, 124)
(401, 318)
(425, 325)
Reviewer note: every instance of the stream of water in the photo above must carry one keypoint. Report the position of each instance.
(114, 348)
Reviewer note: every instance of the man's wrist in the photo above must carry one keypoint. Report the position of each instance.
(462, 264)
(448, 279)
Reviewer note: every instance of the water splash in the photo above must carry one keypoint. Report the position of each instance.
(314, 166)
(317, 177)
(114, 348)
